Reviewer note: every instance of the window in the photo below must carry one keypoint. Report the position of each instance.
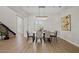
(39, 23)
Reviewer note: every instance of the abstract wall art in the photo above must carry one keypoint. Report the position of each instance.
(66, 23)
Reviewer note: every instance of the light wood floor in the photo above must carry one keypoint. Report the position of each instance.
(26, 46)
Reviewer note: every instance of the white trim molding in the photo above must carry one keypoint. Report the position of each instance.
(69, 41)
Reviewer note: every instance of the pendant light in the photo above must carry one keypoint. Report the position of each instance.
(41, 17)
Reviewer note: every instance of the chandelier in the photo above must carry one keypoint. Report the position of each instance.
(41, 17)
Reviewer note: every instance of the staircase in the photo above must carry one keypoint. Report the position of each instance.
(8, 32)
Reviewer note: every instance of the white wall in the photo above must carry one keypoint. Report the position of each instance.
(26, 21)
(73, 35)
(20, 26)
(8, 17)
(20, 31)
(52, 22)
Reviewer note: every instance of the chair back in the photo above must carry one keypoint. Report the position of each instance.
(47, 34)
(55, 33)
(39, 34)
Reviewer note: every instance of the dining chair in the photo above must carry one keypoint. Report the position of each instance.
(54, 36)
(30, 36)
(33, 37)
(47, 35)
(39, 35)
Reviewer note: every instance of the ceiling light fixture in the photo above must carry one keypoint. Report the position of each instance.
(41, 17)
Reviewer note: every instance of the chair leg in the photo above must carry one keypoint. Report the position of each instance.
(44, 39)
(41, 40)
(33, 39)
(36, 40)
(51, 39)
(55, 39)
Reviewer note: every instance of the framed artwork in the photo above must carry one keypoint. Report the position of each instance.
(66, 23)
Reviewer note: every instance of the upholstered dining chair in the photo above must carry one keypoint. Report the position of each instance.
(39, 35)
(47, 35)
(29, 35)
(54, 35)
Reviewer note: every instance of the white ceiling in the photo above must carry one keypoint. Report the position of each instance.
(36, 10)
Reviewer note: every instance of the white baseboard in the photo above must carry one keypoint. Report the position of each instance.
(69, 41)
